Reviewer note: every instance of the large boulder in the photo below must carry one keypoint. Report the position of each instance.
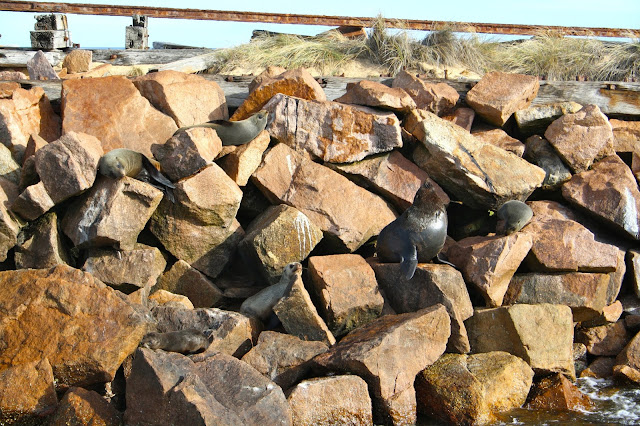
(187, 98)
(438, 98)
(388, 353)
(332, 131)
(112, 109)
(480, 175)
(84, 328)
(347, 214)
(377, 95)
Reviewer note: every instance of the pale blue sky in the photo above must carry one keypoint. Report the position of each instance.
(108, 31)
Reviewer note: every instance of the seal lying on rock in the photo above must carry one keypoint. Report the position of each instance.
(513, 216)
(187, 341)
(260, 305)
(121, 162)
(236, 132)
(417, 235)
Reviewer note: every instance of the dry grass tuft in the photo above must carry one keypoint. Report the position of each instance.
(548, 56)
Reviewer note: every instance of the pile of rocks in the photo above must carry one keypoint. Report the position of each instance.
(92, 264)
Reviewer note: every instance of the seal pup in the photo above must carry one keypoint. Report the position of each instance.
(236, 132)
(512, 217)
(417, 235)
(187, 341)
(261, 304)
(121, 162)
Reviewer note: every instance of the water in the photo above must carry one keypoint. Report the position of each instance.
(614, 404)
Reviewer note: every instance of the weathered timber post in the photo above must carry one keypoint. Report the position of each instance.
(137, 35)
(51, 32)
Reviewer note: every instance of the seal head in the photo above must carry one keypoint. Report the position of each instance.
(417, 235)
(513, 216)
(187, 341)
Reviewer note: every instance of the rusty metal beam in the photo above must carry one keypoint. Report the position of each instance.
(290, 18)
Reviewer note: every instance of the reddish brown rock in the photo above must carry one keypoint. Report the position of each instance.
(558, 393)
(346, 213)
(540, 334)
(283, 358)
(231, 332)
(377, 95)
(300, 317)
(112, 109)
(501, 139)
(581, 138)
(187, 98)
(13, 75)
(539, 151)
(79, 406)
(331, 400)
(561, 244)
(27, 392)
(480, 175)
(83, 327)
(41, 245)
(9, 225)
(347, 291)
(206, 205)
(535, 119)
(33, 202)
(112, 213)
(27, 112)
(432, 284)
(472, 389)
(610, 192)
(498, 95)
(298, 83)
(626, 135)
(242, 162)
(188, 281)
(331, 131)
(438, 98)
(126, 270)
(633, 261)
(77, 61)
(585, 293)
(187, 152)
(489, 262)
(600, 368)
(463, 117)
(166, 298)
(604, 340)
(394, 177)
(268, 74)
(244, 391)
(164, 388)
(277, 237)
(388, 353)
(68, 166)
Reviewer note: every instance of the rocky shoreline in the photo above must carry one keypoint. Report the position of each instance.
(92, 264)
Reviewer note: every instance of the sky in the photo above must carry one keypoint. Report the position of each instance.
(109, 31)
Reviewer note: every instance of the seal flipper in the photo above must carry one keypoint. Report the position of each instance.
(155, 173)
(409, 261)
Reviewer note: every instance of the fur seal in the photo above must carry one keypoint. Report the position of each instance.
(260, 305)
(513, 216)
(187, 341)
(121, 162)
(417, 235)
(236, 132)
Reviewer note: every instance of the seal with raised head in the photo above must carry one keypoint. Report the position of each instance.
(417, 235)
(236, 132)
(121, 162)
(513, 216)
(261, 304)
(187, 341)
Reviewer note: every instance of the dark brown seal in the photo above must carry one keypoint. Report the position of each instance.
(187, 341)
(121, 162)
(513, 216)
(417, 235)
(236, 132)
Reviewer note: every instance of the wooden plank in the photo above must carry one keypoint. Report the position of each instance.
(617, 100)
(193, 64)
(290, 18)
(18, 57)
